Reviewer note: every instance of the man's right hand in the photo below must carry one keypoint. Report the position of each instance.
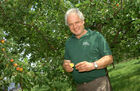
(67, 66)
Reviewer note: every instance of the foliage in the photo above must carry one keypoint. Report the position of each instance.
(118, 21)
(35, 34)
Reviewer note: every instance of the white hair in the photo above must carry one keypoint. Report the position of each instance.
(76, 11)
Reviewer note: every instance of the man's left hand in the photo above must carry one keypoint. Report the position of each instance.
(84, 66)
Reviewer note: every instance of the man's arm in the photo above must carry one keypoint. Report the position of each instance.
(104, 61)
(88, 66)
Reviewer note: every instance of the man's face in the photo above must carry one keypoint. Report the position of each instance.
(76, 25)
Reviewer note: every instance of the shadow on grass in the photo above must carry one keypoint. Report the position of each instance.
(127, 82)
(137, 62)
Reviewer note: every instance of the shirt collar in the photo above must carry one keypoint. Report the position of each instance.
(87, 34)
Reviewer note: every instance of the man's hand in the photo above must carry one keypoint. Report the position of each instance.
(67, 66)
(84, 66)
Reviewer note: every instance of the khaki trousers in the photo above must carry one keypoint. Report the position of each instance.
(99, 84)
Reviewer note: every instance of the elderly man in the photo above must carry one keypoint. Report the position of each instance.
(89, 52)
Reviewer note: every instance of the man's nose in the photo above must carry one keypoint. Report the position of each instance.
(74, 25)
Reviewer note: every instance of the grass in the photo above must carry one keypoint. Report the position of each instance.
(126, 76)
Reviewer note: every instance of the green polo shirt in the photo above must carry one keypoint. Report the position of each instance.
(90, 47)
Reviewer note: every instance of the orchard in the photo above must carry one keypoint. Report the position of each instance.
(33, 35)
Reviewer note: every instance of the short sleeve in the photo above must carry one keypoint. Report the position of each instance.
(103, 46)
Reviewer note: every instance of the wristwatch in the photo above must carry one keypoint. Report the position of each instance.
(95, 65)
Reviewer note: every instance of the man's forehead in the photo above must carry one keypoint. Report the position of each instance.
(73, 16)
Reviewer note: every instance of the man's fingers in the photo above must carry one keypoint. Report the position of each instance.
(68, 68)
(67, 61)
(80, 65)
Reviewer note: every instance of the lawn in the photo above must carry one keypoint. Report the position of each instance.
(126, 76)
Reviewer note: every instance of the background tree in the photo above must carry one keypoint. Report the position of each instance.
(38, 32)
